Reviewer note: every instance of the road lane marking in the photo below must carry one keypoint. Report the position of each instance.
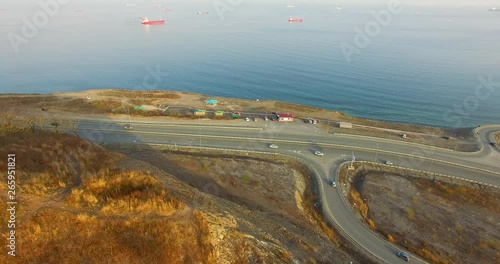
(302, 143)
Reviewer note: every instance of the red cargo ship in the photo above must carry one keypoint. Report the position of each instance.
(293, 20)
(146, 21)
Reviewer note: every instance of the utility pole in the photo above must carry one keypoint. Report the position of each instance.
(200, 131)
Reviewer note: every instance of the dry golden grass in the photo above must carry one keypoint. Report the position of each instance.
(461, 193)
(427, 254)
(60, 237)
(52, 161)
(492, 243)
(108, 220)
(104, 106)
(123, 193)
(84, 106)
(362, 208)
(141, 101)
(14, 101)
(308, 205)
(371, 224)
(359, 204)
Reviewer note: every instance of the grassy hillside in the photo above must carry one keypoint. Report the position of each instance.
(81, 203)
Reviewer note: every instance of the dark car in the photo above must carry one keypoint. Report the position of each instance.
(404, 256)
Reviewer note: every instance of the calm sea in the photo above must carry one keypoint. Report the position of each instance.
(423, 67)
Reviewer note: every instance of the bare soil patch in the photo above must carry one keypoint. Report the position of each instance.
(441, 222)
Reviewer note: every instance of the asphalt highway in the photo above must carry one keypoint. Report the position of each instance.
(299, 140)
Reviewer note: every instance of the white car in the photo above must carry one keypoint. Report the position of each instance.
(127, 127)
(273, 146)
(318, 153)
(333, 184)
(388, 162)
(247, 119)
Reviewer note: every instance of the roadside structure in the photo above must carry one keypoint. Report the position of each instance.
(236, 115)
(211, 102)
(285, 117)
(345, 125)
(199, 112)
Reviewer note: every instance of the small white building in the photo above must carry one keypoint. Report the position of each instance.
(345, 125)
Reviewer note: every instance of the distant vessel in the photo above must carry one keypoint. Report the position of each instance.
(4, 9)
(293, 20)
(202, 13)
(78, 10)
(146, 21)
(290, 6)
(157, 5)
(166, 9)
(494, 9)
(130, 4)
(338, 8)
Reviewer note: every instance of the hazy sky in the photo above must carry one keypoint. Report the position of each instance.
(455, 3)
(420, 2)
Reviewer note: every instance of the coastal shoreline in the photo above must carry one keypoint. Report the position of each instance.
(122, 103)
